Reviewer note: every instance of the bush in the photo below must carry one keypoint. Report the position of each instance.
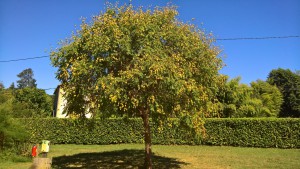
(249, 132)
(266, 132)
(13, 138)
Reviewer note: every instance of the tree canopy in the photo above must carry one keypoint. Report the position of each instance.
(26, 100)
(1, 86)
(270, 96)
(140, 63)
(261, 99)
(26, 79)
(288, 83)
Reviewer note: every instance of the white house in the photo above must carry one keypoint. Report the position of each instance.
(60, 104)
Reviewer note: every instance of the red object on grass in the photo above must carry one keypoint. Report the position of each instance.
(34, 151)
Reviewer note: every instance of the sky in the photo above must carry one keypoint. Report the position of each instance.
(33, 28)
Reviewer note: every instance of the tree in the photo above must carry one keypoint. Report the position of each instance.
(12, 86)
(233, 95)
(1, 86)
(10, 131)
(26, 103)
(270, 95)
(31, 102)
(289, 85)
(240, 100)
(26, 79)
(141, 63)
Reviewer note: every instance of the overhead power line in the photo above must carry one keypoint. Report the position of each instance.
(218, 39)
(49, 89)
(15, 60)
(259, 38)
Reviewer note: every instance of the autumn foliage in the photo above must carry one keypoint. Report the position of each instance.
(139, 63)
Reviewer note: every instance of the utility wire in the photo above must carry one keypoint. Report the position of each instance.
(218, 39)
(259, 38)
(49, 89)
(15, 60)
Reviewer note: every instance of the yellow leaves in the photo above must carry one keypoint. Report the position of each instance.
(135, 102)
(140, 58)
(113, 98)
(122, 106)
(103, 86)
(189, 87)
(177, 108)
(198, 124)
(151, 99)
(159, 110)
(99, 59)
(181, 74)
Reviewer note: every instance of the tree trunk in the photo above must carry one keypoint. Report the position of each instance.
(2, 141)
(148, 161)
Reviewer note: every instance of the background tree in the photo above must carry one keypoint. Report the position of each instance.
(5, 96)
(11, 133)
(289, 85)
(231, 96)
(240, 100)
(141, 63)
(26, 79)
(12, 86)
(27, 102)
(270, 96)
(31, 102)
(1, 86)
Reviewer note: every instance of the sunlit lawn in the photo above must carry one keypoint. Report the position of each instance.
(132, 155)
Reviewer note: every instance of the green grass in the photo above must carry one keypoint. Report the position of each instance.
(132, 155)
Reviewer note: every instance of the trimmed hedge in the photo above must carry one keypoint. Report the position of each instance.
(281, 133)
(254, 132)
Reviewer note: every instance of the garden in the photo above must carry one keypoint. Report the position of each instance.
(118, 143)
(165, 156)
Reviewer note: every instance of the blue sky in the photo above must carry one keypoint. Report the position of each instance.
(32, 28)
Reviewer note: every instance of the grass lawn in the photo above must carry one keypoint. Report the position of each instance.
(132, 155)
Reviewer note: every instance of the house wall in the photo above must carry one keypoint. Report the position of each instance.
(59, 103)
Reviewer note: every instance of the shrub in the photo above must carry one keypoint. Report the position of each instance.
(249, 132)
(254, 132)
(13, 137)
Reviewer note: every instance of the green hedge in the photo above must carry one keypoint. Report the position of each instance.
(282, 133)
(254, 132)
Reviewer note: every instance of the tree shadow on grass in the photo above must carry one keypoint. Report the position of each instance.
(113, 159)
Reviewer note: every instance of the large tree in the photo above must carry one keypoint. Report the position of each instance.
(288, 83)
(141, 63)
(26, 79)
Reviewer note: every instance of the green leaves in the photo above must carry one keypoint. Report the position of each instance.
(35, 101)
(239, 100)
(26, 102)
(138, 59)
(288, 83)
(26, 79)
(270, 96)
(248, 132)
